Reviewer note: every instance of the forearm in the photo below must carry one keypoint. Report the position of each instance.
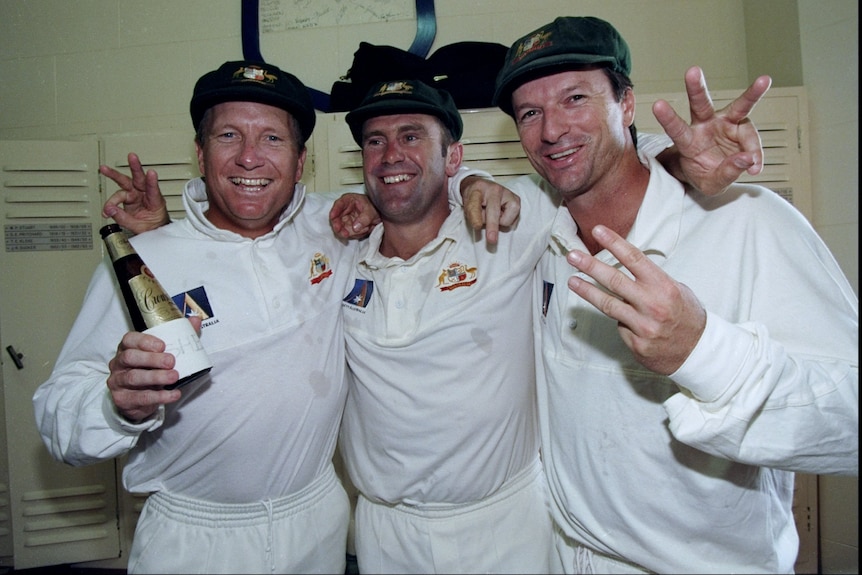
(78, 424)
(764, 405)
(73, 408)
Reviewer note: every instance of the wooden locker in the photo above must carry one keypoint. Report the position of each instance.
(52, 513)
(781, 118)
(171, 154)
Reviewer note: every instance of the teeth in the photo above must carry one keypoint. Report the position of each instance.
(396, 179)
(562, 154)
(250, 182)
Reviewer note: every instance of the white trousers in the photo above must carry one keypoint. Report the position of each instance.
(305, 532)
(508, 532)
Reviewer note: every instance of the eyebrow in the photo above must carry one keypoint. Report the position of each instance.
(406, 127)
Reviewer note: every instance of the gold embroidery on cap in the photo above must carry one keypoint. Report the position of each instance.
(394, 88)
(538, 41)
(255, 74)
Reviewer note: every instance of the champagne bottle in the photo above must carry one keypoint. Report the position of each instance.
(152, 310)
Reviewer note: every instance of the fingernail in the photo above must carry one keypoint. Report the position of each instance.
(600, 231)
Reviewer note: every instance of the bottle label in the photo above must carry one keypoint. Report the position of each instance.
(118, 246)
(182, 341)
(155, 305)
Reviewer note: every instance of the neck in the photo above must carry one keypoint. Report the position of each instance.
(614, 204)
(405, 239)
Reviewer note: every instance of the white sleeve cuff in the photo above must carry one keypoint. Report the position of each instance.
(122, 425)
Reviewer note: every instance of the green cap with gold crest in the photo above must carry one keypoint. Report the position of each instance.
(566, 43)
(405, 97)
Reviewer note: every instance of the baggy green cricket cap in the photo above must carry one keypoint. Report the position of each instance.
(405, 97)
(252, 81)
(565, 43)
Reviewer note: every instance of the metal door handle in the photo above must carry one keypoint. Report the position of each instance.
(16, 357)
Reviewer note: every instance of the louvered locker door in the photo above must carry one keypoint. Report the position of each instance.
(781, 118)
(491, 143)
(336, 162)
(53, 513)
(783, 127)
(171, 154)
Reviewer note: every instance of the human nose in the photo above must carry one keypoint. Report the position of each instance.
(249, 155)
(392, 153)
(554, 125)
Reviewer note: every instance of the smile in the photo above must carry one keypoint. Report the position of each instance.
(250, 182)
(396, 179)
(559, 155)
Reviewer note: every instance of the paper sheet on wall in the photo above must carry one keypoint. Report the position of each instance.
(281, 15)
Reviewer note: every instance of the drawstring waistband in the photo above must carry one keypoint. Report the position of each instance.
(267, 503)
(583, 561)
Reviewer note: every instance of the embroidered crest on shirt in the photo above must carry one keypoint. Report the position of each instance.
(360, 295)
(320, 269)
(455, 276)
(196, 303)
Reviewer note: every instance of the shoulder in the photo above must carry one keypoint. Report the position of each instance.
(172, 232)
(539, 200)
(314, 213)
(750, 201)
(757, 213)
(311, 227)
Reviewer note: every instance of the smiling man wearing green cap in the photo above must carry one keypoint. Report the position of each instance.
(238, 466)
(695, 350)
(439, 432)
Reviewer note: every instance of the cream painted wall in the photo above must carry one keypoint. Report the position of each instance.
(114, 66)
(829, 32)
(772, 41)
(829, 38)
(100, 66)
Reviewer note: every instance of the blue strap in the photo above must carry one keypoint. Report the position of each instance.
(250, 32)
(251, 48)
(426, 28)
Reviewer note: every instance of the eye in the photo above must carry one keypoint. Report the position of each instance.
(527, 115)
(226, 138)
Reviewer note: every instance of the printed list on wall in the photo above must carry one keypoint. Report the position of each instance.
(281, 15)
